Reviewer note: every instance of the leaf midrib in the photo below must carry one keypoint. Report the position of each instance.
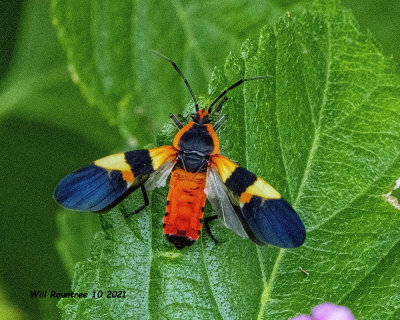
(317, 131)
(268, 286)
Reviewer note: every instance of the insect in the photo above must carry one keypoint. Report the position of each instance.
(244, 202)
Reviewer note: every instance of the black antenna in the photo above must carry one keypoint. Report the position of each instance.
(196, 105)
(234, 86)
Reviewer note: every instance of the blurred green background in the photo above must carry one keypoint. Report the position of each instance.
(48, 129)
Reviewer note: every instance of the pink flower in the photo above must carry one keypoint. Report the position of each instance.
(328, 311)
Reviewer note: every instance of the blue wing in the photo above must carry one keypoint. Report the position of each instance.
(102, 184)
(273, 221)
(263, 213)
(90, 188)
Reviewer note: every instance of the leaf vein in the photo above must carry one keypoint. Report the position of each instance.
(379, 261)
(266, 294)
(318, 128)
(356, 197)
(289, 189)
(210, 289)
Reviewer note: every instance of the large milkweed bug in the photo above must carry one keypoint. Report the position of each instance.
(246, 203)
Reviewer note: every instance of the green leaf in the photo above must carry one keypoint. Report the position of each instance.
(76, 231)
(38, 88)
(396, 193)
(381, 18)
(46, 131)
(108, 48)
(324, 131)
(8, 25)
(31, 167)
(8, 310)
(121, 254)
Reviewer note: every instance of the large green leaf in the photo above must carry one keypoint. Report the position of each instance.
(381, 18)
(324, 130)
(108, 47)
(38, 88)
(46, 130)
(8, 24)
(76, 231)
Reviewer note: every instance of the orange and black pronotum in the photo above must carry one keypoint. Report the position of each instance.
(245, 203)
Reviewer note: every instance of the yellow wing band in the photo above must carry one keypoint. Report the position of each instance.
(245, 183)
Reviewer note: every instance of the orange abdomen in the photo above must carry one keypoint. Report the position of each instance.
(186, 199)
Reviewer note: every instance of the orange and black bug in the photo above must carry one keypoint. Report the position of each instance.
(245, 203)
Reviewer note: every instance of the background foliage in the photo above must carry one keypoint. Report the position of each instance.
(50, 126)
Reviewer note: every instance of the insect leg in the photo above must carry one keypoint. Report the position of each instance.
(206, 223)
(176, 121)
(146, 203)
(220, 122)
